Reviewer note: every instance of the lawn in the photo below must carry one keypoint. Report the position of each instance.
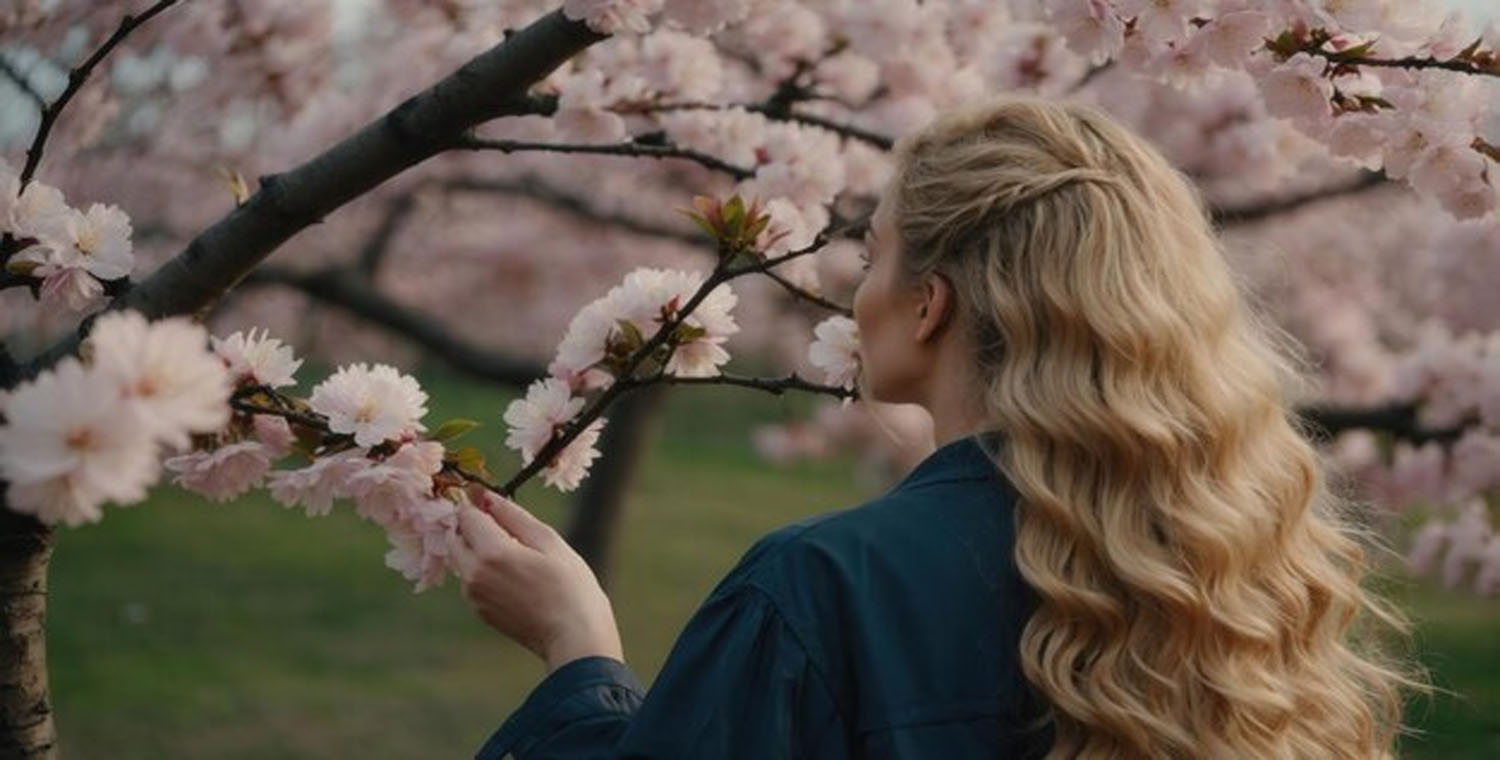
(186, 629)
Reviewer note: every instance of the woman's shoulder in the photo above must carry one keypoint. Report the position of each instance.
(912, 531)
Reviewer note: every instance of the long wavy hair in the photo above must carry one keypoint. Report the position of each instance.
(1199, 580)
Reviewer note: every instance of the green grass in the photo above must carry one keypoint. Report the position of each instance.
(186, 629)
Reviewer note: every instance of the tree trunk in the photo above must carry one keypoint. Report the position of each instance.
(26, 729)
(597, 509)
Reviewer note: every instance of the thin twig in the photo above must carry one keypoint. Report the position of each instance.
(22, 83)
(773, 385)
(776, 113)
(808, 295)
(571, 429)
(76, 79)
(1407, 62)
(620, 149)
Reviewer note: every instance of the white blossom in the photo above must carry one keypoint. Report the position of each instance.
(223, 473)
(549, 402)
(257, 358)
(374, 404)
(69, 444)
(165, 369)
(836, 351)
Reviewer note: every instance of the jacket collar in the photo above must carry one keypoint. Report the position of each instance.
(966, 458)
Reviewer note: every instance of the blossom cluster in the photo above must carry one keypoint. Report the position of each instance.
(601, 345)
(71, 251)
(87, 432)
(1429, 127)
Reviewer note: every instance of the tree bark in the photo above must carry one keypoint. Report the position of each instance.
(26, 728)
(595, 522)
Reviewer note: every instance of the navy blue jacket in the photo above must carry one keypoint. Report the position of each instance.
(885, 631)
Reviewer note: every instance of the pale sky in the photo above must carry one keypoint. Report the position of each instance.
(1479, 10)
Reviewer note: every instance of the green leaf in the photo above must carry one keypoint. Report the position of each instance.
(17, 266)
(633, 337)
(734, 215)
(452, 429)
(703, 224)
(686, 333)
(1359, 51)
(470, 460)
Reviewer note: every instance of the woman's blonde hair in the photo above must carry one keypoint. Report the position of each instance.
(1198, 580)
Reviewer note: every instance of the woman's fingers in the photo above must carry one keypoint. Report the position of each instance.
(518, 522)
(481, 533)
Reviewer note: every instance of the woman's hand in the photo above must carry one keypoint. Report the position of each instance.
(524, 580)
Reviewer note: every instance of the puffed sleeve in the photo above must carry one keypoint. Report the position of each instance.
(738, 684)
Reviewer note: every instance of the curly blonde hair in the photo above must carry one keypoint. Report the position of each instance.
(1199, 581)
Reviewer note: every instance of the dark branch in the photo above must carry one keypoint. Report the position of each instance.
(353, 294)
(776, 112)
(642, 150)
(491, 85)
(773, 385)
(1399, 420)
(379, 242)
(535, 189)
(22, 83)
(574, 427)
(1458, 65)
(847, 130)
(809, 296)
(1229, 217)
(76, 79)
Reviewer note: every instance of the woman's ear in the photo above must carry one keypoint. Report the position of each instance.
(935, 307)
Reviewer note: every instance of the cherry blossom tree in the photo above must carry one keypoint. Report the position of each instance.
(596, 201)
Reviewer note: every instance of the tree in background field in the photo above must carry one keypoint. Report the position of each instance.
(614, 194)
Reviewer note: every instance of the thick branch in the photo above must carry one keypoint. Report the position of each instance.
(26, 728)
(491, 85)
(76, 78)
(356, 296)
(640, 150)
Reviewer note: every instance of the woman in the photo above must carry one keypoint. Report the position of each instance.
(1124, 546)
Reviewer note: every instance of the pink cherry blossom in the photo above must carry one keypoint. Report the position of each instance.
(836, 351)
(1298, 90)
(581, 116)
(613, 16)
(422, 540)
(569, 467)
(382, 491)
(255, 357)
(222, 474)
(1091, 27)
(548, 403)
(374, 404)
(68, 445)
(166, 370)
(274, 433)
(703, 17)
(316, 486)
